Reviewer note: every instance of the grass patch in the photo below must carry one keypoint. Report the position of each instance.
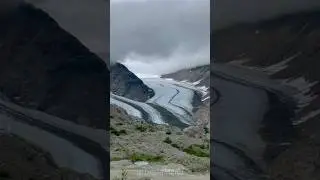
(197, 150)
(145, 157)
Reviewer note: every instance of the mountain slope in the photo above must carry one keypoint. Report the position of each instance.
(21, 159)
(43, 67)
(127, 84)
(287, 50)
(199, 77)
(161, 146)
(200, 73)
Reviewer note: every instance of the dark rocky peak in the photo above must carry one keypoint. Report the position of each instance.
(199, 73)
(44, 67)
(127, 84)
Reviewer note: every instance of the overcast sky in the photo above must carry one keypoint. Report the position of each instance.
(166, 34)
(160, 36)
(229, 12)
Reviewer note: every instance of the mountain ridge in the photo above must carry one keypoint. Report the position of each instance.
(44, 67)
(285, 49)
(125, 83)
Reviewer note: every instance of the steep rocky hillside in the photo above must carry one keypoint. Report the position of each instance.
(200, 74)
(287, 50)
(21, 160)
(43, 67)
(127, 84)
(158, 145)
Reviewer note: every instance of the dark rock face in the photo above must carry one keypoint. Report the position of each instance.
(127, 84)
(43, 67)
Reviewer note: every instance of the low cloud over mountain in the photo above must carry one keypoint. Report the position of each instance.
(160, 35)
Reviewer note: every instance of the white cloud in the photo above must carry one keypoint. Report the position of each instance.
(181, 58)
(159, 36)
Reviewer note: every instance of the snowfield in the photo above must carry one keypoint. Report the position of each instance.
(176, 97)
(154, 115)
(177, 100)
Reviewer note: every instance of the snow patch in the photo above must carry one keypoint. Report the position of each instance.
(305, 96)
(141, 76)
(169, 79)
(270, 70)
(203, 90)
(197, 82)
(204, 99)
(279, 66)
(307, 117)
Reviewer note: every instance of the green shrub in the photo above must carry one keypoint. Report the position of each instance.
(141, 128)
(122, 131)
(167, 140)
(117, 133)
(197, 150)
(175, 146)
(206, 130)
(145, 157)
(201, 146)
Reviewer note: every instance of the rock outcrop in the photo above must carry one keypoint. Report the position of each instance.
(127, 84)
